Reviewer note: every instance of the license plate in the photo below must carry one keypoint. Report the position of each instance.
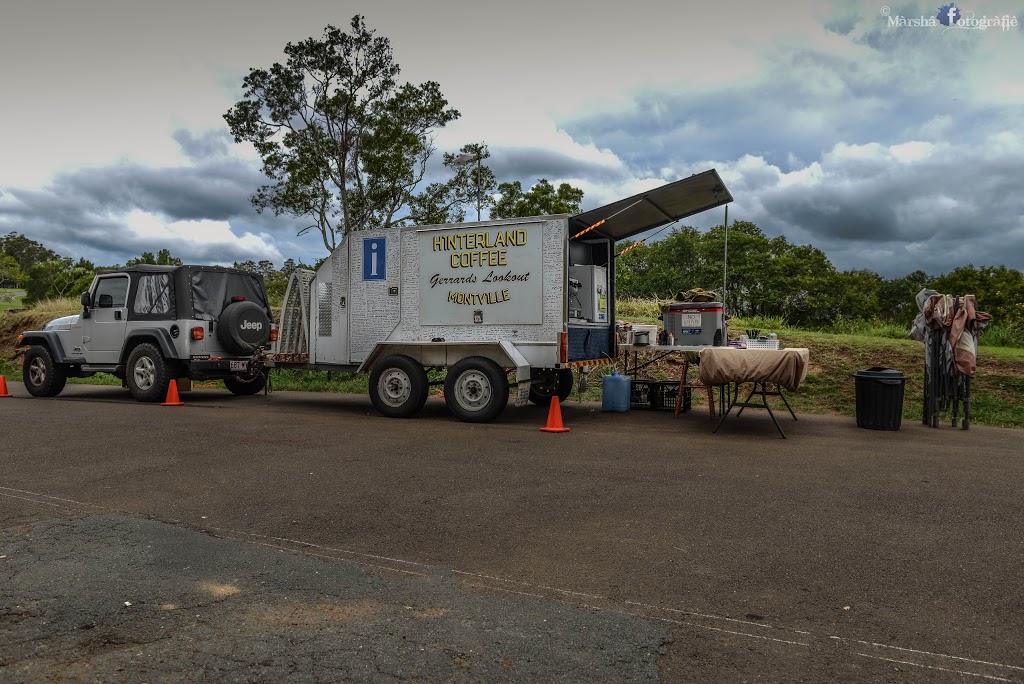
(238, 365)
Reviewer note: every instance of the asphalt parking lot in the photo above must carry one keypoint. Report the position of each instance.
(302, 537)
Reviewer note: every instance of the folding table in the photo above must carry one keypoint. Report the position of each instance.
(729, 366)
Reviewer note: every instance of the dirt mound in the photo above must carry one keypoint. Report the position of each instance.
(15, 322)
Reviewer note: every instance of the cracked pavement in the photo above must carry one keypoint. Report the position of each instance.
(114, 598)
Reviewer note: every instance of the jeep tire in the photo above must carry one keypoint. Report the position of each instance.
(245, 384)
(43, 376)
(147, 374)
(243, 327)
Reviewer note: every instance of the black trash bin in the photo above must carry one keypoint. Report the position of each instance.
(880, 398)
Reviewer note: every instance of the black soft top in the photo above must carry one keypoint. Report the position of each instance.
(205, 291)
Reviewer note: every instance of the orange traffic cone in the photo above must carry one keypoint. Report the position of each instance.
(554, 418)
(3, 388)
(172, 395)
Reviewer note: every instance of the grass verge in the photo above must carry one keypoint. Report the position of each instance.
(998, 386)
(10, 299)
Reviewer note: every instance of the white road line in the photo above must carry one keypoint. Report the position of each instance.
(942, 655)
(55, 498)
(527, 584)
(704, 615)
(572, 593)
(317, 546)
(942, 669)
(35, 501)
(727, 631)
(343, 560)
(508, 591)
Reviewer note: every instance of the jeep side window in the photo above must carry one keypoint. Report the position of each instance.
(115, 288)
(153, 295)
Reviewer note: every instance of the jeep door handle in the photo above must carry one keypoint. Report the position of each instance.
(117, 315)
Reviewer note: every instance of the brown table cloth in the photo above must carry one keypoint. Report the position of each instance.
(726, 365)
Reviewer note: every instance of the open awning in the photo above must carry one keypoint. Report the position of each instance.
(653, 208)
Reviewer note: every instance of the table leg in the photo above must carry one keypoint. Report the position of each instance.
(779, 388)
(747, 400)
(764, 398)
(726, 396)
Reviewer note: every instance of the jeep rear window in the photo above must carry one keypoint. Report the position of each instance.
(212, 291)
(153, 295)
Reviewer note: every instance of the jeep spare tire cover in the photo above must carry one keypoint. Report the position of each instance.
(243, 327)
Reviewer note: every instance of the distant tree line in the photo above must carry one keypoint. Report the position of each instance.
(772, 277)
(767, 276)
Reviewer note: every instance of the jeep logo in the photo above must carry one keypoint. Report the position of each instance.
(250, 325)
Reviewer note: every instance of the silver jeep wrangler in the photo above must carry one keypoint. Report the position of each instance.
(148, 324)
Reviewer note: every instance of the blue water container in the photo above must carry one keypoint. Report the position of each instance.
(615, 392)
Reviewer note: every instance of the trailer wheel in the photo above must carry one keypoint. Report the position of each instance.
(398, 386)
(476, 389)
(558, 381)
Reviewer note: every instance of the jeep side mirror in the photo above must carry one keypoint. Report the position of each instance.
(86, 302)
(106, 301)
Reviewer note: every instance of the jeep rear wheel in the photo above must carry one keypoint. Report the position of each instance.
(43, 376)
(246, 384)
(147, 374)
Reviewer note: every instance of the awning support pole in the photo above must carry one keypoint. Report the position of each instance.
(587, 230)
(725, 278)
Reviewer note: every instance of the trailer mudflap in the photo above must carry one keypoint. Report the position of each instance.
(523, 372)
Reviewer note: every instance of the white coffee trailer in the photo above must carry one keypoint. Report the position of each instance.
(480, 300)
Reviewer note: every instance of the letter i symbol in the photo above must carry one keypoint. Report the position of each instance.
(373, 258)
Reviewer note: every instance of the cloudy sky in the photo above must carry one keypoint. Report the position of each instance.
(891, 147)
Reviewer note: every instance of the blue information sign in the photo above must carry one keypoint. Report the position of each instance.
(375, 259)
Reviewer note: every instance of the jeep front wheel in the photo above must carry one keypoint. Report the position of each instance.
(147, 374)
(43, 376)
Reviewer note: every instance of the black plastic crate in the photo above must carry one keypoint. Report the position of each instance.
(657, 395)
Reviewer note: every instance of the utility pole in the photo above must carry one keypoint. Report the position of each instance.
(468, 158)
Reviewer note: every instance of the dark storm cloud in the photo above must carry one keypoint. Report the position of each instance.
(834, 117)
(203, 145)
(807, 103)
(215, 190)
(538, 162)
(842, 25)
(82, 212)
(866, 208)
